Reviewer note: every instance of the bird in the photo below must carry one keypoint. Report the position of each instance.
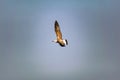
(59, 40)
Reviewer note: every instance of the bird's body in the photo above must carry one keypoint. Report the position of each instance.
(62, 42)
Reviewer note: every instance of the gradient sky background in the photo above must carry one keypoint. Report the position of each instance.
(92, 28)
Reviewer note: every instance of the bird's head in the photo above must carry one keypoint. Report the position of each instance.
(54, 41)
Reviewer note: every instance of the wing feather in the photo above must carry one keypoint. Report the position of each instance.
(57, 30)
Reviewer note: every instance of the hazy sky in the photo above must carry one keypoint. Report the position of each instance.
(92, 28)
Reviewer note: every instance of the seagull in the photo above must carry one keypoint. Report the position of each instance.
(62, 42)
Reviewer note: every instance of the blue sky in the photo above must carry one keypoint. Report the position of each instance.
(90, 26)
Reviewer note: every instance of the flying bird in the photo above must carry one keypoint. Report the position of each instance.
(59, 40)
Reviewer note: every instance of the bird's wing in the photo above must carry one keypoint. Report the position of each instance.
(57, 30)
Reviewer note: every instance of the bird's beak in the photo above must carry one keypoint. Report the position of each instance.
(52, 41)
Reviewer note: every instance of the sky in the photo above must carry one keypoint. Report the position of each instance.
(91, 27)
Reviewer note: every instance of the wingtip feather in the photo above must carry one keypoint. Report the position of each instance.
(56, 23)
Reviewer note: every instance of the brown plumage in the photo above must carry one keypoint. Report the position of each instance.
(59, 35)
(58, 31)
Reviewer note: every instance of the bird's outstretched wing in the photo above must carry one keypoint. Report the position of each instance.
(57, 30)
